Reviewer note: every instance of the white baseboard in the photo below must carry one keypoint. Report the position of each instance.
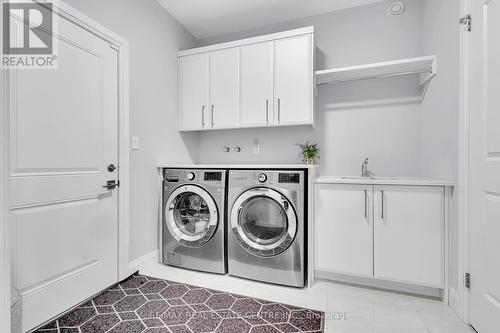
(149, 258)
(454, 301)
(379, 284)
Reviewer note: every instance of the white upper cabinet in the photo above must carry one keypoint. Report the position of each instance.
(293, 80)
(194, 86)
(256, 85)
(224, 88)
(255, 82)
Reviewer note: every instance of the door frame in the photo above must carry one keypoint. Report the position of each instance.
(4, 237)
(461, 306)
(121, 45)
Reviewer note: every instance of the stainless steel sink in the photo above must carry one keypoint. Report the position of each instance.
(357, 178)
(373, 178)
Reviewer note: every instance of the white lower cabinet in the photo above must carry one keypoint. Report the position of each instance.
(343, 231)
(390, 233)
(409, 234)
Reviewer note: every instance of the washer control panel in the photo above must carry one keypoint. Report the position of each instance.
(206, 177)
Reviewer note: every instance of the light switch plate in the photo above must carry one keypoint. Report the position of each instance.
(136, 144)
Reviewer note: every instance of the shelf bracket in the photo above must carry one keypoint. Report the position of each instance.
(425, 78)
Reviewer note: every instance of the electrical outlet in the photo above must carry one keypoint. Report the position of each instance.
(256, 147)
(136, 144)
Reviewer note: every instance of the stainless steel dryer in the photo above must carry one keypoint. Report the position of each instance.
(266, 226)
(193, 219)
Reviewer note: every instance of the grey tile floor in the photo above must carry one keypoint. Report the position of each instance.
(367, 310)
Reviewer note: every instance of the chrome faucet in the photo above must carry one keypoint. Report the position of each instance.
(364, 169)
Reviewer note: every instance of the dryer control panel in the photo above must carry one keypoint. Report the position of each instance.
(289, 179)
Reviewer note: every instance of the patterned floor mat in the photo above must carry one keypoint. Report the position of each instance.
(142, 304)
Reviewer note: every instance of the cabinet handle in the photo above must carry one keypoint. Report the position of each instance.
(212, 114)
(366, 204)
(267, 111)
(203, 115)
(279, 110)
(382, 197)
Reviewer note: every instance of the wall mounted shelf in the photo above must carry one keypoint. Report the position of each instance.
(426, 67)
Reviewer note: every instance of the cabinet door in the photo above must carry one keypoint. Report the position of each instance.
(194, 91)
(293, 80)
(409, 234)
(256, 79)
(343, 233)
(224, 88)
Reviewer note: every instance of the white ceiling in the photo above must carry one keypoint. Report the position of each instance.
(208, 18)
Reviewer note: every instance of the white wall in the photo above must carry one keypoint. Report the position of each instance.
(389, 134)
(399, 139)
(406, 140)
(155, 38)
(440, 109)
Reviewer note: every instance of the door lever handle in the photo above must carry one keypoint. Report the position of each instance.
(111, 184)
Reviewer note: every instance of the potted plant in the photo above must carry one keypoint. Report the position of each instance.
(309, 152)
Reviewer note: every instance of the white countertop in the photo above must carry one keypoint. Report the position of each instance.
(235, 166)
(384, 181)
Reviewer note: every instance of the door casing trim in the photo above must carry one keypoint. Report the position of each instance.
(4, 236)
(121, 45)
(461, 306)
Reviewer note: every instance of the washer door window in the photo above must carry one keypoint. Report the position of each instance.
(263, 222)
(191, 216)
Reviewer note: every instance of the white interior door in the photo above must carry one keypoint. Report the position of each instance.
(63, 135)
(484, 196)
(256, 80)
(293, 74)
(224, 88)
(343, 230)
(194, 81)
(409, 234)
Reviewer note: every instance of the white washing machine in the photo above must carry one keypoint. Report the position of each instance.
(267, 226)
(193, 219)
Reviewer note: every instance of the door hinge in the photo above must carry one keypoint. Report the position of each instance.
(466, 20)
(467, 280)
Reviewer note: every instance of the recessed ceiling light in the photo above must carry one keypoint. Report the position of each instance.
(396, 8)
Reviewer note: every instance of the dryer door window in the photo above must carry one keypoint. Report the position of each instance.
(264, 222)
(191, 216)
